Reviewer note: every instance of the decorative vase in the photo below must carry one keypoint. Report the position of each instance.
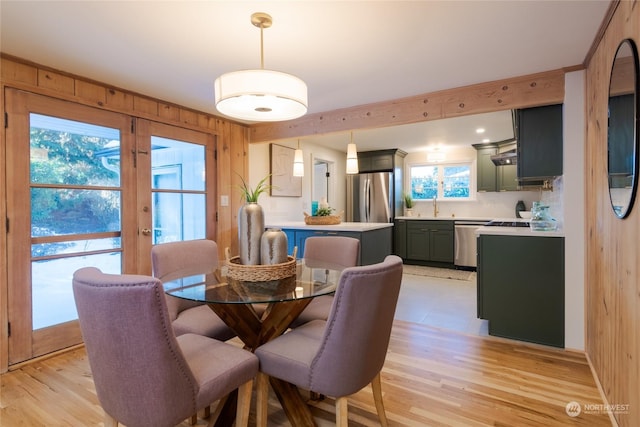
(273, 247)
(408, 212)
(250, 229)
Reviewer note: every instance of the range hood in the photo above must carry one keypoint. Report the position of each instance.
(507, 158)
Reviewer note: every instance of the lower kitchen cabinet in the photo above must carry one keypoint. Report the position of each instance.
(375, 245)
(429, 241)
(400, 238)
(521, 287)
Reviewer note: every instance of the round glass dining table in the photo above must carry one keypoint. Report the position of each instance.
(260, 311)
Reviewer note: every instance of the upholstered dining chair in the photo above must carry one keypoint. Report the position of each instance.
(174, 260)
(343, 354)
(144, 375)
(321, 251)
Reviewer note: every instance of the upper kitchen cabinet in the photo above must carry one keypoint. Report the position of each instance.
(380, 160)
(539, 134)
(491, 177)
(486, 169)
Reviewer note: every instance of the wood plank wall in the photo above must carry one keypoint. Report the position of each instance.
(232, 143)
(613, 245)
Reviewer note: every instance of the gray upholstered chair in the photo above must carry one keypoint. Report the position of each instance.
(174, 260)
(321, 251)
(144, 375)
(343, 354)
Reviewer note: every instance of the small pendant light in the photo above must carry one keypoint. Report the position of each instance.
(352, 157)
(298, 162)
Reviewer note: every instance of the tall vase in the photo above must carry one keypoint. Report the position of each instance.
(250, 228)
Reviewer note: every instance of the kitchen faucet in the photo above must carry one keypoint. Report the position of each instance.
(435, 206)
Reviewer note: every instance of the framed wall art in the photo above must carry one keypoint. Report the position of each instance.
(283, 183)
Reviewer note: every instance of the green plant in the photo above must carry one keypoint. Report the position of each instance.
(251, 195)
(324, 211)
(408, 201)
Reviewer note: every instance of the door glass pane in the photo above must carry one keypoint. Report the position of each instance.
(178, 190)
(178, 217)
(183, 161)
(75, 191)
(61, 211)
(52, 300)
(73, 153)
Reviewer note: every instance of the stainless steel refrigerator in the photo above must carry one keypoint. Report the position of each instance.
(370, 197)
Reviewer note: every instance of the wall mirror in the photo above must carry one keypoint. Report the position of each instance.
(622, 131)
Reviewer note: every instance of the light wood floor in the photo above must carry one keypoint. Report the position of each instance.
(431, 378)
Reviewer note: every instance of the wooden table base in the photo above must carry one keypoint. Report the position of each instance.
(255, 330)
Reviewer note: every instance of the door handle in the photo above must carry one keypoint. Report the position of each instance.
(146, 231)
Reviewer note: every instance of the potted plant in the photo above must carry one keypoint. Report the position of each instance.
(251, 222)
(408, 204)
(324, 211)
(251, 195)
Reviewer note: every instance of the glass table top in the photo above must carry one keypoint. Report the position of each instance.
(309, 282)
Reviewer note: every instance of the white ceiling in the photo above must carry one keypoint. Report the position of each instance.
(348, 52)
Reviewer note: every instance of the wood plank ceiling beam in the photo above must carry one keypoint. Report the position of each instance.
(525, 91)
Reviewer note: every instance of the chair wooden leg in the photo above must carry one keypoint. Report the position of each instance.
(207, 412)
(262, 399)
(244, 404)
(109, 421)
(194, 419)
(377, 397)
(342, 412)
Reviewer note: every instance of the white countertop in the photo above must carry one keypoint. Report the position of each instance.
(343, 226)
(445, 218)
(518, 231)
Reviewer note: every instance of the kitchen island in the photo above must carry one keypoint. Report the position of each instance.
(521, 283)
(375, 238)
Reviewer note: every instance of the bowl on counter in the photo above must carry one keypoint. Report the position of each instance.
(525, 214)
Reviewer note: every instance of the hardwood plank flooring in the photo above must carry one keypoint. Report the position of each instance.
(431, 377)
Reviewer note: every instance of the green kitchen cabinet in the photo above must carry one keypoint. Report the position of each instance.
(507, 178)
(400, 238)
(486, 170)
(429, 241)
(540, 142)
(520, 287)
(491, 177)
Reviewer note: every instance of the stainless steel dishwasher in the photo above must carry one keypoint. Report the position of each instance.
(465, 247)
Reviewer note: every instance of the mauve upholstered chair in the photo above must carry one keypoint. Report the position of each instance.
(144, 375)
(343, 354)
(321, 251)
(174, 260)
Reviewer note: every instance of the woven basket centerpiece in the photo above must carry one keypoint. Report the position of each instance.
(322, 220)
(260, 273)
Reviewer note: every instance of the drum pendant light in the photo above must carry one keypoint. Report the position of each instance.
(260, 95)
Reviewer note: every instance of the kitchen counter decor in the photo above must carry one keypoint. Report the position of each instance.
(260, 273)
(322, 219)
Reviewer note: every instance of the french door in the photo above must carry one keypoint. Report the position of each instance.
(88, 187)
